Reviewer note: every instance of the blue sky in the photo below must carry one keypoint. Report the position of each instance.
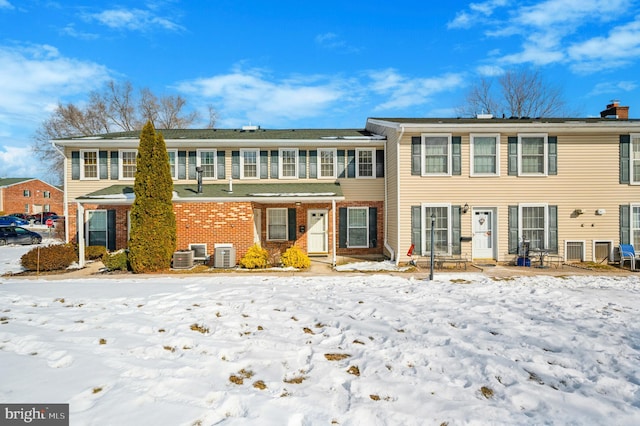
(292, 64)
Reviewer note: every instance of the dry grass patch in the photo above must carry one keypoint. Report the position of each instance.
(259, 385)
(103, 341)
(354, 370)
(336, 357)
(96, 390)
(199, 328)
(308, 330)
(238, 378)
(486, 392)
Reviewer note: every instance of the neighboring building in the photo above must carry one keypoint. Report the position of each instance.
(568, 186)
(322, 190)
(29, 196)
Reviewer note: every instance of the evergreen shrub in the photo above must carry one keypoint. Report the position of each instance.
(295, 258)
(256, 257)
(116, 261)
(49, 258)
(94, 252)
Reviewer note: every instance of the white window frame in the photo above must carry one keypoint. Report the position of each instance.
(631, 225)
(26, 193)
(281, 163)
(373, 163)
(545, 159)
(634, 159)
(349, 210)
(46, 194)
(46, 208)
(426, 227)
(243, 151)
(423, 149)
(215, 163)
(334, 153)
(545, 243)
(82, 164)
(472, 158)
(270, 212)
(121, 163)
(173, 168)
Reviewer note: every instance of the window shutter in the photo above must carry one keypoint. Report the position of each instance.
(456, 155)
(75, 165)
(274, 164)
(351, 163)
(104, 164)
(416, 145)
(313, 164)
(302, 163)
(625, 224)
(625, 145)
(373, 227)
(222, 173)
(292, 224)
(111, 230)
(341, 168)
(553, 229)
(552, 147)
(513, 230)
(342, 227)
(416, 229)
(513, 156)
(235, 164)
(192, 164)
(182, 165)
(380, 163)
(264, 164)
(456, 232)
(114, 165)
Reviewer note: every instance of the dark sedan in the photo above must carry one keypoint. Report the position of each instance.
(12, 221)
(18, 235)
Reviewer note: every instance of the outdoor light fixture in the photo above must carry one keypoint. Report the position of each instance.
(465, 208)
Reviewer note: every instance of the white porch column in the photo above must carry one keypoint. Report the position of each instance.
(333, 240)
(80, 229)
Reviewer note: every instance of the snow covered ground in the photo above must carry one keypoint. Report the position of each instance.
(344, 349)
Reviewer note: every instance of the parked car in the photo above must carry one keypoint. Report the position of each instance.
(20, 215)
(18, 235)
(12, 221)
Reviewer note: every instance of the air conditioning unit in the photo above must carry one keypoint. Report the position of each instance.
(224, 256)
(183, 259)
(199, 251)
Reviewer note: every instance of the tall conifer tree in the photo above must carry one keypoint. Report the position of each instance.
(153, 223)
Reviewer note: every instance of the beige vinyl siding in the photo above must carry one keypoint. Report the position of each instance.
(587, 179)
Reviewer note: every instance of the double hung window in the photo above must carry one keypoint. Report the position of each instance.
(127, 164)
(327, 163)
(485, 158)
(532, 156)
(89, 167)
(207, 161)
(358, 227)
(436, 153)
(249, 163)
(277, 224)
(365, 163)
(635, 158)
(288, 163)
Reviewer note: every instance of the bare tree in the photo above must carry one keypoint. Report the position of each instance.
(115, 108)
(521, 93)
(213, 117)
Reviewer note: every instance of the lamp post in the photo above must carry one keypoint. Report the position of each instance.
(199, 175)
(433, 222)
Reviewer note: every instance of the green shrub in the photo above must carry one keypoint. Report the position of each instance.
(94, 252)
(116, 261)
(295, 258)
(256, 257)
(49, 258)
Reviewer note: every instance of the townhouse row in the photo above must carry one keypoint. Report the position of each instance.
(485, 185)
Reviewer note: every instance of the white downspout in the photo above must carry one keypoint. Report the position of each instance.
(64, 192)
(80, 229)
(386, 207)
(386, 204)
(333, 237)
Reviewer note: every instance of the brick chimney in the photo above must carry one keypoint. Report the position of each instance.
(614, 110)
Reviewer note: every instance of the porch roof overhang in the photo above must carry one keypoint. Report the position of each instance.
(225, 192)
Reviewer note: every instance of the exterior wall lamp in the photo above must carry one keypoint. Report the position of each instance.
(465, 208)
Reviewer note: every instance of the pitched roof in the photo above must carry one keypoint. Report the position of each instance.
(240, 134)
(13, 181)
(265, 192)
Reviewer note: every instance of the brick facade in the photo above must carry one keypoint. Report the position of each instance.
(29, 197)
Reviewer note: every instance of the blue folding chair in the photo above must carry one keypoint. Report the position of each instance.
(627, 252)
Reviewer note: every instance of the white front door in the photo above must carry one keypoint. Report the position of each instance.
(483, 238)
(317, 235)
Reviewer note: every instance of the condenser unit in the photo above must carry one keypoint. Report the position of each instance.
(224, 256)
(199, 251)
(183, 259)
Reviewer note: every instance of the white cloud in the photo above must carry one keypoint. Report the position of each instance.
(4, 4)
(16, 161)
(613, 88)
(333, 41)
(134, 20)
(618, 48)
(490, 70)
(33, 77)
(402, 92)
(478, 13)
(251, 95)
